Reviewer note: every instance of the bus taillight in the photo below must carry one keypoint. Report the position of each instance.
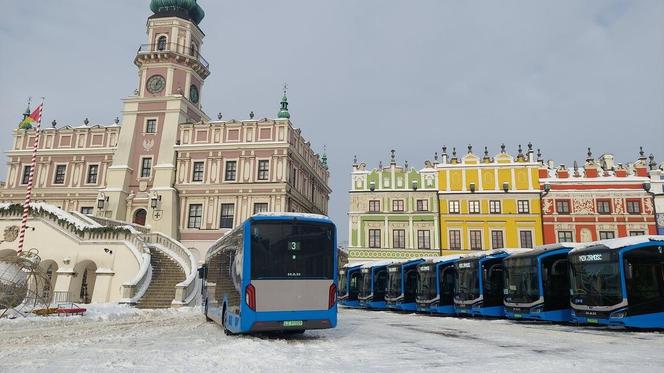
(332, 296)
(250, 296)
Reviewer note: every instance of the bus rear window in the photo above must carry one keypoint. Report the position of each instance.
(292, 250)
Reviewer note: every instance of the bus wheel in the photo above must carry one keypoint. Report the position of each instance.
(206, 310)
(223, 322)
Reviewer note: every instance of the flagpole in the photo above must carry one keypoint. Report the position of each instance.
(28, 193)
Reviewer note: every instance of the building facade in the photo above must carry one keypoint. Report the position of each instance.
(164, 163)
(489, 202)
(657, 192)
(597, 201)
(393, 212)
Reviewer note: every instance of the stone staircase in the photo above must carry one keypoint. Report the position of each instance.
(166, 273)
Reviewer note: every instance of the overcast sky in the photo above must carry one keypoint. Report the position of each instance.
(372, 75)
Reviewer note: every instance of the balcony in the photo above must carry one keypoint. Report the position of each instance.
(179, 52)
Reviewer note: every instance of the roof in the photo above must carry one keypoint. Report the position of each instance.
(482, 254)
(619, 243)
(291, 215)
(381, 263)
(441, 259)
(539, 250)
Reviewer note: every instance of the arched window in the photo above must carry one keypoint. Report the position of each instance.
(161, 43)
(139, 216)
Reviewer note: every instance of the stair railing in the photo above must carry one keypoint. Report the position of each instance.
(187, 290)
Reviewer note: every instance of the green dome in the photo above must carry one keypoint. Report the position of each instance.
(190, 6)
(283, 113)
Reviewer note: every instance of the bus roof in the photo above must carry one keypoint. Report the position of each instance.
(483, 254)
(441, 259)
(409, 261)
(290, 215)
(380, 263)
(618, 243)
(539, 250)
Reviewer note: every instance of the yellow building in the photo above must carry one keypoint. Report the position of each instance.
(489, 202)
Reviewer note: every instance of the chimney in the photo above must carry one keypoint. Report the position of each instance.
(562, 172)
(621, 171)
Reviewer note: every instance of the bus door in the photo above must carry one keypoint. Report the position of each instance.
(354, 285)
(410, 285)
(447, 276)
(644, 273)
(380, 285)
(493, 283)
(555, 280)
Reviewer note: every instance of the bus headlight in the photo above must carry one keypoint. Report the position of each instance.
(537, 309)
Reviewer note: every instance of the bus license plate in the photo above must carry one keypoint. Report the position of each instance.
(593, 321)
(294, 323)
(517, 316)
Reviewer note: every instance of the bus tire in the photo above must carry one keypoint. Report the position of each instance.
(208, 319)
(223, 321)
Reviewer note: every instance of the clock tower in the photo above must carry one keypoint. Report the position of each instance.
(171, 73)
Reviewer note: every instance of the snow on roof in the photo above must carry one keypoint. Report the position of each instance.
(60, 213)
(482, 254)
(618, 243)
(446, 258)
(353, 265)
(292, 214)
(380, 263)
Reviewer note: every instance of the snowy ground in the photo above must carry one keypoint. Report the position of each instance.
(116, 338)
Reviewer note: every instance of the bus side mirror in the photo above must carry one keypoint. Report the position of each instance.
(202, 272)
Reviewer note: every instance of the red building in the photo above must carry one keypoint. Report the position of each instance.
(598, 201)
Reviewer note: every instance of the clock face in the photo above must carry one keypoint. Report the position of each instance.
(156, 84)
(193, 94)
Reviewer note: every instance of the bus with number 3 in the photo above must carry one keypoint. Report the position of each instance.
(276, 272)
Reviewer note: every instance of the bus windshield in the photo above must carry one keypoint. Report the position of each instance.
(468, 285)
(365, 284)
(595, 279)
(394, 282)
(292, 250)
(426, 283)
(521, 280)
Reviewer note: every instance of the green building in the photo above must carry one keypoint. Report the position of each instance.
(393, 212)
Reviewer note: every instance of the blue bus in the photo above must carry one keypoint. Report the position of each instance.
(349, 285)
(478, 288)
(275, 272)
(402, 285)
(619, 282)
(537, 284)
(435, 285)
(373, 285)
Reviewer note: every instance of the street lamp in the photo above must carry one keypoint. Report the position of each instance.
(154, 201)
(101, 201)
(506, 186)
(472, 187)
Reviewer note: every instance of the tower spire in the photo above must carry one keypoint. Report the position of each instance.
(283, 113)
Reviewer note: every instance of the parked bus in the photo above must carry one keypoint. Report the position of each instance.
(619, 282)
(537, 284)
(350, 277)
(435, 285)
(275, 272)
(402, 285)
(478, 288)
(373, 285)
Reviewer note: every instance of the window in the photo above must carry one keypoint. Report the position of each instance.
(455, 240)
(526, 239)
(423, 239)
(565, 236)
(397, 205)
(260, 207)
(26, 174)
(634, 207)
(476, 240)
(422, 205)
(374, 238)
(637, 233)
(60, 171)
(497, 241)
(374, 206)
(494, 207)
(454, 207)
(231, 171)
(523, 207)
(227, 214)
(87, 210)
(263, 170)
(562, 206)
(93, 172)
(195, 216)
(603, 206)
(151, 126)
(146, 167)
(606, 235)
(399, 238)
(473, 207)
(161, 43)
(199, 167)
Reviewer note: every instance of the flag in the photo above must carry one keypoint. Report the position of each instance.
(31, 120)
